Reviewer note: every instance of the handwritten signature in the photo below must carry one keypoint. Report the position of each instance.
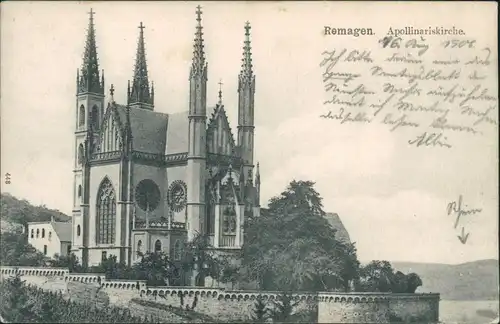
(430, 139)
(455, 207)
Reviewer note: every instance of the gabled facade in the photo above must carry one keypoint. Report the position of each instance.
(51, 237)
(151, 181)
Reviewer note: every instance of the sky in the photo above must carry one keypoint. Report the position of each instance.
(392, 198)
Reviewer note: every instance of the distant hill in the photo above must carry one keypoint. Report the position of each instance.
(477, 280)
(15, 212)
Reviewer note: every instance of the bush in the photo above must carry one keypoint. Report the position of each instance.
(283, 308)
(22, 304)
(260, 312)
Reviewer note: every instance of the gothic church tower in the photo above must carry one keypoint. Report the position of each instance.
(246, 93)
(196, 158)
(89, 111)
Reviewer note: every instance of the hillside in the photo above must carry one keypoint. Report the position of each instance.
(477, 280)
(15, 212)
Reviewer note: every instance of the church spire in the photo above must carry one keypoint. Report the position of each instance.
(198, 67)
(89, 80)
(246, 65)
(140, 93)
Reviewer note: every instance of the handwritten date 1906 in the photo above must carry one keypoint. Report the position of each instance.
(455, 207)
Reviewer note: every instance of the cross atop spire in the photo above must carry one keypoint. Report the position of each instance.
(91, 14)
(220, 92)
(89, 80)
(198, 66)
(246, 65)
(139, 92)
(198, 14)
(112, 92)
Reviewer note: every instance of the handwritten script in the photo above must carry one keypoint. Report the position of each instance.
(456, 208)
(459, 209)
(433, 91)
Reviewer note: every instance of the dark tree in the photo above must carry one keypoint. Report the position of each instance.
(413, 282)
(292, 246)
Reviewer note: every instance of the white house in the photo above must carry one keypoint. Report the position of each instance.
(50, 237)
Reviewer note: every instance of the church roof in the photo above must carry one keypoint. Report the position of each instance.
(341, 234)
(149, 129)
(161, 133)
(177, 133)
(63, 230)
(155, 132)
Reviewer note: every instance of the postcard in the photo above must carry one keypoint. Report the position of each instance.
(313, 162)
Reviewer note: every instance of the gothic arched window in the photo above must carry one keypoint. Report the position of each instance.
(37, 232)
(177, 250)
(81, 116)
(139, 247)
(95, 117)
(106, 213)
(43, 232)
(157, 246)
(81, 153)
(78, 230)
(50, 236)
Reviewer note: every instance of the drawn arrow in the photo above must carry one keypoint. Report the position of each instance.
(463, 238)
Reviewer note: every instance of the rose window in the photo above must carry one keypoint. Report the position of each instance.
(177, 196)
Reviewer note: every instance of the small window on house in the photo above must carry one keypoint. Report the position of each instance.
(104, 256)
(50, 236)
(32, 233)
(78, 230)
(157, 246)
(43, 232)
(45, 249)
(37, 232)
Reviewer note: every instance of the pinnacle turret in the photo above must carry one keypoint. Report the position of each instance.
(89, 80)
(257, 175)
(199, 66)
(140, 93)
(246, 62)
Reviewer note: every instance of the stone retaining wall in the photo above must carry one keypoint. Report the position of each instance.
(239, 305)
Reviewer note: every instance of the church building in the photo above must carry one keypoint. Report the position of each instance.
(147, 181)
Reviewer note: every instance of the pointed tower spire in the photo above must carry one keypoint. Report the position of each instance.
(220, 93)
(246, 62)
(139, 93)
(198, 66)
(89, 77)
